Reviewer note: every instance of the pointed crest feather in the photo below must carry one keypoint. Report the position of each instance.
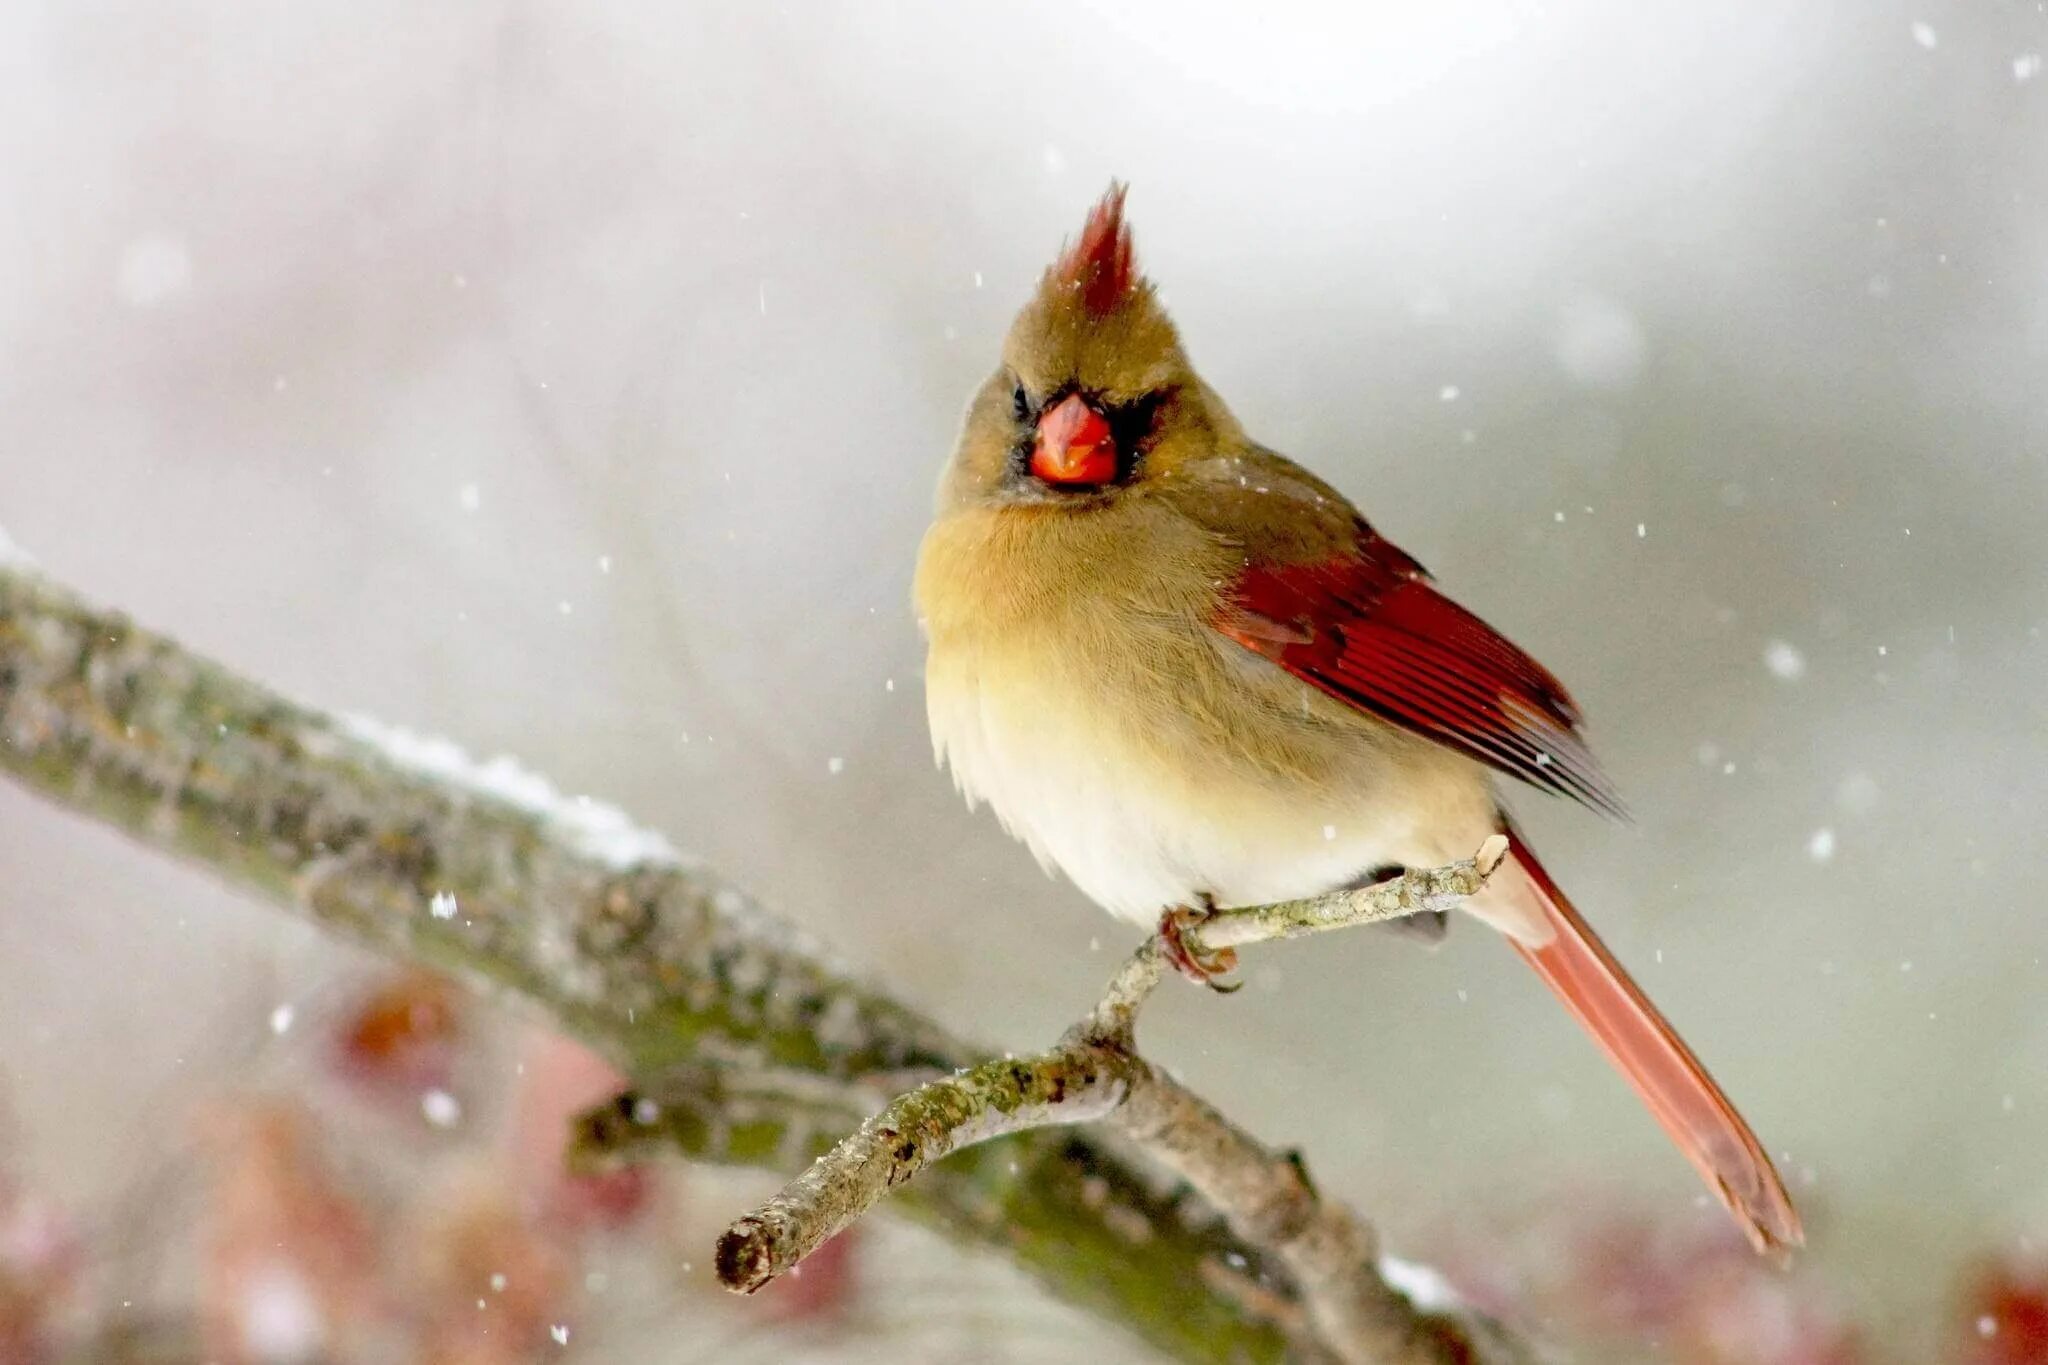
(1101, 265)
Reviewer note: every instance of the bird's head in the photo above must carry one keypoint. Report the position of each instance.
(1094, 397)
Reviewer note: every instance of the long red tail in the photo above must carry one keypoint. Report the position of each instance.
(1644, 1048)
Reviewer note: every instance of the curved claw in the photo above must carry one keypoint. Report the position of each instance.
(1202, 969)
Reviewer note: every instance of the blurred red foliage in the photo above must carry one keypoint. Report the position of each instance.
(559, 1080)
(401, 1034)
(39, 1263)
(288, 1264)
(1691, 1289)
(487, 1285)
(2005, 1313)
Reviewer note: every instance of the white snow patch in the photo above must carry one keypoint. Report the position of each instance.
(1821, 847)
(154, 269)
(280, 1318)
(1421, 1285)
(1784, 660)
(12, 556)
(1599, 343)
(593, 828)
(442, 1109)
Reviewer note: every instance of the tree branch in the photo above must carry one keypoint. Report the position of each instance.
(722, 1013)
(1096, 1074)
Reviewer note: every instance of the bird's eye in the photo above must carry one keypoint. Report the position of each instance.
(1133, 422)
(1020, 402)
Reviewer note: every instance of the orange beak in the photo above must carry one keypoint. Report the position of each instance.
(1074, 446)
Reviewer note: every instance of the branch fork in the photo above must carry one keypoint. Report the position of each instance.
(1095, 1074)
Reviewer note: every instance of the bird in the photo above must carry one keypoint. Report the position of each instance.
(1188, 674)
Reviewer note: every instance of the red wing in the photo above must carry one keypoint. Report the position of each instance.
(1370, 630)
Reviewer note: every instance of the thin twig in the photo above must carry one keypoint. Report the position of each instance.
(1072, 1084)
(1413, 893)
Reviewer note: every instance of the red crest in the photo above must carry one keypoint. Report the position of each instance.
(1101, 265)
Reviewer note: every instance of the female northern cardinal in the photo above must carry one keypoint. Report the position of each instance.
(1187, 673)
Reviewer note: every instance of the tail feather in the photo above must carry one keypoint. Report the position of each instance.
(1577, 966)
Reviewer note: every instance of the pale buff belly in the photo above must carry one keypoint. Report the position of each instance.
(1169, 776)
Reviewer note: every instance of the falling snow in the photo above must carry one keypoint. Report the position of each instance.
(1422, 1285)
(443, 905)
(280, 1318)
(1785, 661)
(1821, 846)
(441, 1109)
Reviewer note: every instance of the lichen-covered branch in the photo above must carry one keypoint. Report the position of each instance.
(1421, 891)
(1363, 1309)
(749, 1045)
(996, 1099)
(563, 907)
(1096, 1074)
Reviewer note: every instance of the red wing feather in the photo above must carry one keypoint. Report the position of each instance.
(1369, 629)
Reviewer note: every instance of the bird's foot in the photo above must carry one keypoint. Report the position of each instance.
(1201, 968)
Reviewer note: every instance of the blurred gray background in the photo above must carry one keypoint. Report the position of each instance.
(572, 381)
